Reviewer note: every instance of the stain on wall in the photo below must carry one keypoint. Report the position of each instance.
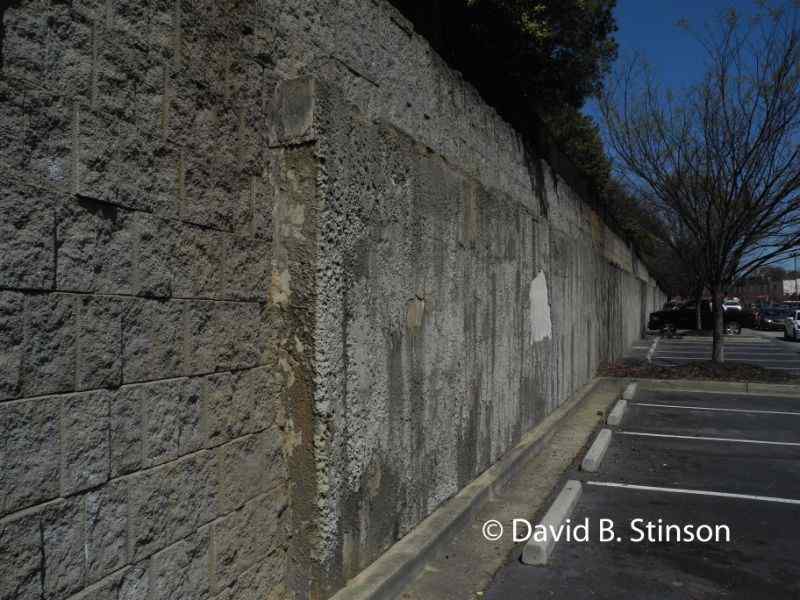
(541, 328)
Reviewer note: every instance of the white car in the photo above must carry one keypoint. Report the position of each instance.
(792, 326)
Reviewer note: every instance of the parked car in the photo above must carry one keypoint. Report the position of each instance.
(685, 317)
(731, 303)
(791, 326)
(772, 318)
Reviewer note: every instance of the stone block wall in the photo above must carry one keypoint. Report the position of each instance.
(274, 284)
(141, 452)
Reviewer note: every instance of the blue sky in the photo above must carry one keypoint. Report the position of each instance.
(648, 27)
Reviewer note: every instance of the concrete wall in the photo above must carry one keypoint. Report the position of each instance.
(253, 325)
(452, 317)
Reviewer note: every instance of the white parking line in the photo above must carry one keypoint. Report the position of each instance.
(693, 492)
(668, 364)
(734, 410)
(652, 350)
(707, 439)
(728, 349)
(769, 360)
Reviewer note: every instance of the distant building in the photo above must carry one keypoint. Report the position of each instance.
(756, 290)
(790, 289)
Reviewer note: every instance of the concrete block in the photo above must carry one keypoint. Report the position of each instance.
(246, 536)
(63, 537)
(248, 269)
(292, 112)
(15, 153)
(200, 263)
(24, 43)
(84, 441)
(29, 453)
(591, 462)
(224, 418)
(164, 418)
(119, 154)
(215, 192)
(95, 248)
(106, 546)
(94, 154)
(615, 416)
(153, 336)
(155, 243)
(538, 552)
(153, 423)
(248, 467)
(208, 342)
(149, 168)
(48, 364)
(263, 204)
(12, 336)
(36, 132)
(129, 583)
(126, 425)
(265, 579)
(224, 335)
(246, 341)
(21, 552)
(105, 248)
(27, 245)
(630, 391)
(170, 501)
(181, 571)
(99, 354)
(256, 395)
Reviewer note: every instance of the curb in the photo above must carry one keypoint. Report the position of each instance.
(615, 416)
(395, 568)
(630, 391)
(721, 386)
(591, 462)
(537, 552)
(705, 385)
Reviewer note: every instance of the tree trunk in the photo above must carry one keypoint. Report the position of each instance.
(698, 311)
(717, 354)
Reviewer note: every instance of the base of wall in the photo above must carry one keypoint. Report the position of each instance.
(401, 563)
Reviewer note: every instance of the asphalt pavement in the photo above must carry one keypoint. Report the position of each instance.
(762, 348)
(728, 461)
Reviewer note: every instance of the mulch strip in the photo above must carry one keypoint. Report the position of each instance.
(638, 368)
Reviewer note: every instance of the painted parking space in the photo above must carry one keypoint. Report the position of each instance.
(720, 400)
(759, 561)
(684, 458)
(767, 427)
(767, 351)
(772, 470)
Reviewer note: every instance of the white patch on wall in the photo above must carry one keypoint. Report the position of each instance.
(540, 309)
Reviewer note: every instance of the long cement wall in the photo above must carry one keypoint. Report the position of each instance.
(274, 284)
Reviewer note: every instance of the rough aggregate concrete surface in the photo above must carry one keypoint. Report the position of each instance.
(274, 284)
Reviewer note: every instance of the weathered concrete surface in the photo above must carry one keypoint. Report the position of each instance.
(255, 325)
(431, 359)
(465, 566)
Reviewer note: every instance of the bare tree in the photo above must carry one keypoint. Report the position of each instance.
(722, 162)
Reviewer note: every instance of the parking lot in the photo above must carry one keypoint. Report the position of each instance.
(686, 458)
(764, 349)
